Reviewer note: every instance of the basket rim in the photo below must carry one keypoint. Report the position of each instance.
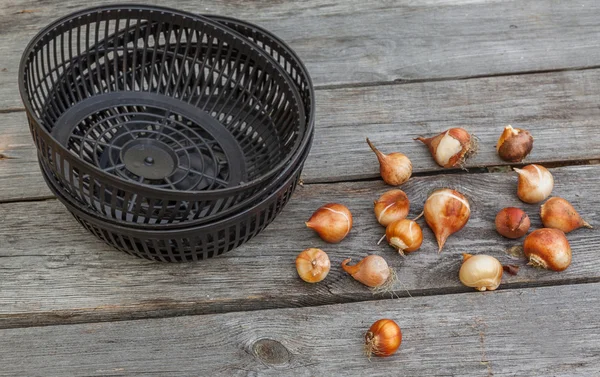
(286, 47)
(292, 158)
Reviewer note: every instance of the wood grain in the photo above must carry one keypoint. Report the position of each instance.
(560, 109)
(359, 42)
(52, 271)
(19, 170)
(524, 332)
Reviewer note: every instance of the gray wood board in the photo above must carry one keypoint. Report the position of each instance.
(20, 174)
(550, 331)
(358, 42)
(560, 109)
(52, 271)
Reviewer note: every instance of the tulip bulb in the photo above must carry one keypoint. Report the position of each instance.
(446, 212)
(514, 144)
(481, 272)
(383, 338)
(393, 205)
(332, 222)
(395, 168)
(512, 222)
(404, 235)
(373, 271)
(312, 265)
(548, 248)
(535, 183)
(558, 213)
(450, 148)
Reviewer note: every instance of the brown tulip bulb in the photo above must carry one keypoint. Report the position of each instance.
(446, 212)
(395, 168)
(512, 222)
(548, 248)
(372, 271)
(383, 338)
(535, 183)
(482, 272)
(332, 222)
(451, 147)
(393, 205)
(404, 235)
(514, 144)
(312, 265)
(558, 213)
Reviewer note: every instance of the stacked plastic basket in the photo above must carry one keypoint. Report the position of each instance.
(168, 135)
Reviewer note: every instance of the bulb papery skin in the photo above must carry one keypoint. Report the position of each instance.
(446, 212)
(332, 222)
(372, 271)
(395, 168)
(451, 147)
(393, 205)
(558, 213)
(535, 183)
(312, 265)
(512, 222)
(482, 272)
(383, 338)
(404, 235)
(514, 144)
(548, 248)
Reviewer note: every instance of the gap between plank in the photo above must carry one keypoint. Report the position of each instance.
(470, 170)
(21, 200)
(157, 310)
(12, 110)
(401, 81)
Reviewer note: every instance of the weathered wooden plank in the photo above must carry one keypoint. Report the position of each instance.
(20, 176)
(357, 42)
(52, 271)
(551, 331)
(560, 109)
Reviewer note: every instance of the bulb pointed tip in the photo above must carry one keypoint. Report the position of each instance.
(587, 225)
(350, 269)
(441, 241)
(372, 146)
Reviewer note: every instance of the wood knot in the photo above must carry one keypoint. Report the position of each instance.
(271, 352)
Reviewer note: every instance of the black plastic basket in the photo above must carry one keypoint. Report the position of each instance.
(292, 64)
(149, 115)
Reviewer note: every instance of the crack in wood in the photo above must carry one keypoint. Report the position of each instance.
(401, 81)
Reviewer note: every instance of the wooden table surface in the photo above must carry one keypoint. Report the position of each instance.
(389, 70)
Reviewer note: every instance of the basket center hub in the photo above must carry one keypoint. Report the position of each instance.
(149, 158)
